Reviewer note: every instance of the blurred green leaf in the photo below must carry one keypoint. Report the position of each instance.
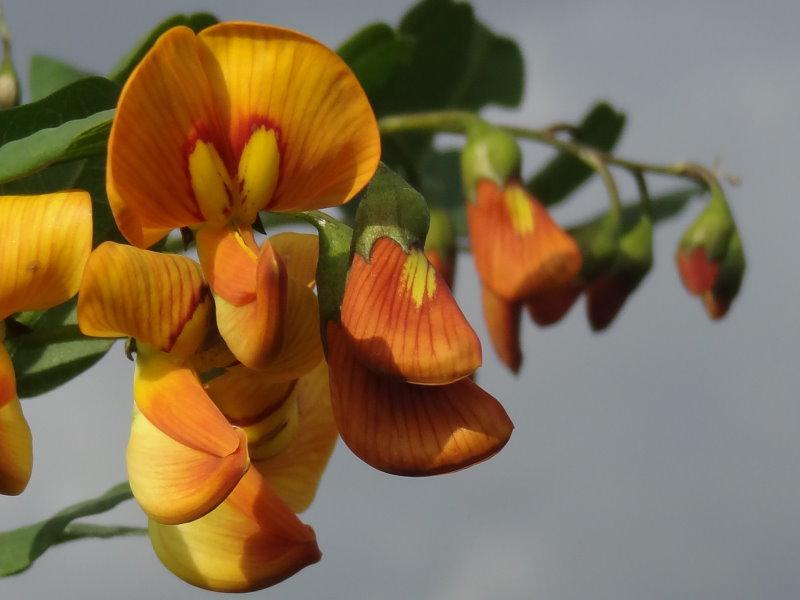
(601, 128)
(196, 22)
(48, 74)
(53, 350)
(374, 53)
(20, 547)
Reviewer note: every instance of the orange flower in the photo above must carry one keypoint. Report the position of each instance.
(44, 243)
(503, 321)
(211, 129)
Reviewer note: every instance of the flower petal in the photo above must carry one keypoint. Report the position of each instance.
(605, 297)
(150, 296)
(403, 320)
(502, 321)
(250, 541)
(174, 483)
(519, 250)
(229, 263)
(16, 448)
(698, 272)
(295, 472)
(409, 429)
(44, 243)
(550, 307)
(300, 253)
(327, 134)
(173, 100)
(255, 331)
(171, 397)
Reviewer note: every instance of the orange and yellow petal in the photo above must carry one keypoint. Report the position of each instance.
(150, 296)
(550, 307)
(255, 331)
(171, 397)
(229, 262)
(444, 265)
(408, 429)
(16, 447)
(300, 253)
(174, 483)
(698, 272)
(173, 107)
(402, 319)
(286, 82)
(295, 472)
(250, 541)
(44, 243)
(502, 321)
(519, 250)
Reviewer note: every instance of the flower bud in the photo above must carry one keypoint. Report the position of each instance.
(440, 245)
(718, 300)
(9, 82)
(489, 154)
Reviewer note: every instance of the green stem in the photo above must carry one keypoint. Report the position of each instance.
(644, 195)
(452, 121)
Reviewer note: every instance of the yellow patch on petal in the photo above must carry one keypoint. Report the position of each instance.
(146, 295)
(169, 394)
(44, 243)
(520, 210)
(174, 483)
(211, 183)
(250, 541)
(328, 137)
(295, 472)
(258, 173)
(418, 278)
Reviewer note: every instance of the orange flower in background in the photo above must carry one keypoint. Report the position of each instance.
(220, 456)
(44, 243)
(503, 320)
(212, 128)
(550, 307)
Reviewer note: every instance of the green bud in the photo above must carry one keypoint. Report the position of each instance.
(490, 153)
(599, 242)
(441, 236)
(635, 257)
(729, 281)
(712, 228)
(9, 82)
(390, 208)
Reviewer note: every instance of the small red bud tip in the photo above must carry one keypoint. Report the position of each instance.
(697, 271)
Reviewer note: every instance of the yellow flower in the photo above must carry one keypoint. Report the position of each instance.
(214, 127)
(44, 243)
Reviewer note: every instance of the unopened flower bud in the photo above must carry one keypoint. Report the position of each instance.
(490, 154)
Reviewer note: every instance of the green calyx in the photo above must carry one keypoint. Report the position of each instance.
(441, 235)
(635, 256)
(732, 269)
(390, 208)
(490, 153)
(598, 241)
(712, 229)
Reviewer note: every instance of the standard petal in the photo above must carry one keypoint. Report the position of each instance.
(519, 250)
(44, 243)
(327, 134)
(150, 296)
(16, 449)
(295, 472)
(255, 331)
(169, 394)
(502, 321)
(408, 429)
(403, 320)
(250, 541)
(174, 483)
(173, 101)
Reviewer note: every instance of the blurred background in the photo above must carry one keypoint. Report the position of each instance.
(658, 460)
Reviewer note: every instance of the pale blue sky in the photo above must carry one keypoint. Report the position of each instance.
(659, 460)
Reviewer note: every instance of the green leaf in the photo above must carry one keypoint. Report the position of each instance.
(20, 547)
(374, 53)
(48, 74)
(79, 138)
(196, 22)
(455, 62)
(53, 350)
(601, 128)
